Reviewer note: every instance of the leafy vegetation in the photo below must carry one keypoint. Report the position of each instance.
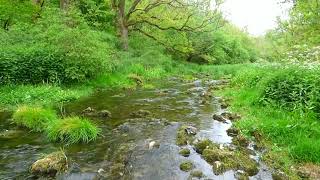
(35, 118)
(72, 130)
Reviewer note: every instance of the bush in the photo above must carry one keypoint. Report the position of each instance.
(57, 49)
(34, 118)
(72, 130)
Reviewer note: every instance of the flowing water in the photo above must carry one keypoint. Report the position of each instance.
(123, 150)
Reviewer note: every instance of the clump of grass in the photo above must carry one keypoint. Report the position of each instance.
(35, 118)
(72, 130)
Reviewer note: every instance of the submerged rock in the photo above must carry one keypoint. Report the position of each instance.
(50, 165)
(184, 152)
(196, 173)
(186, 166)
(141, 114)
(91, 112)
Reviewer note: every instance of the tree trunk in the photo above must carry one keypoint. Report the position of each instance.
(64, 4)
(122, 23)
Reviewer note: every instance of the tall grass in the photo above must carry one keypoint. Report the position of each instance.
(72, 130)
(35, 118)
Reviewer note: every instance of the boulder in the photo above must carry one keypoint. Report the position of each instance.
(219, 118)
(50, 165)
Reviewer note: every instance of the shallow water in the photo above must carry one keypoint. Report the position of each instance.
(122, 151)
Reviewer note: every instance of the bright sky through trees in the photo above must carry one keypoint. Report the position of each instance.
(257, 16)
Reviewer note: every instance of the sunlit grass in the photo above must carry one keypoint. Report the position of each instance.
(35, 118)
(72, 130)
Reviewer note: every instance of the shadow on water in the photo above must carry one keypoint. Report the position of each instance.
(123, 150)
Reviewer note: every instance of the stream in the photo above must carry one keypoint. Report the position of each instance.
(123, 149)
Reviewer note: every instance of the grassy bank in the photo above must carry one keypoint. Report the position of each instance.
(281, 105)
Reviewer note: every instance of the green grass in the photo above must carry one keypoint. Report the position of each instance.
(291, 134)
(35, 118)
(72, 130)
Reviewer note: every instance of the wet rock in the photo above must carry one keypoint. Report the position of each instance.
(231, 116)
(224, 159)
(233, 132)
(224, 105)
(186, 166)
(202, 145)
(104, 114)
(124, 127)
(91, 112)
(279, 175)
(183, 138)
(153, 144)
(50, 165)
(190, 130)
(184, 152)
(218, 117)
(141, 114)
(240, 140)
(196, 173)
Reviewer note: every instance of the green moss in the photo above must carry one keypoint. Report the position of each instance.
(226, 159)
(35, 118)
(182, 137)
(72, 130)
(184, 152)
(186, 166)
(202, 145)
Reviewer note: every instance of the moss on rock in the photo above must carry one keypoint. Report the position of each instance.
(50, 165)
(184, 152)
(183, 138)
(186, 166)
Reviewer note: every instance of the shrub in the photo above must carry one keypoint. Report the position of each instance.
(34, 118)
(72, 130)
(56, 49)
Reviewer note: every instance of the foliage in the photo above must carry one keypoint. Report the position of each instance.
(72, 130)
(280, 103)
(50, 51)
(35, 118)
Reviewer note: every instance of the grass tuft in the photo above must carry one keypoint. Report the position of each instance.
(72, 130)
(35, 118)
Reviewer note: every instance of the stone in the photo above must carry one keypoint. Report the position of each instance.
(190, 130)
(233, 132)
(231, 116)
(104, 114)
(50, 165)
(186, 166)
(219, 118)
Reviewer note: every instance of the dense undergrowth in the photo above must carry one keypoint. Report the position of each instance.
(280, 102)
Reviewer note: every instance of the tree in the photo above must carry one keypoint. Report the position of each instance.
(178, 16)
